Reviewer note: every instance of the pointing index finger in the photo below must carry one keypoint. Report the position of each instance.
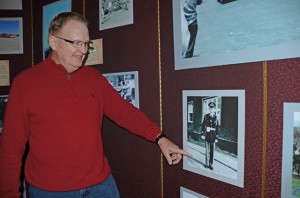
(183, 152)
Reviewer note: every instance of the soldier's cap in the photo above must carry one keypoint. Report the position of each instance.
(211, 104)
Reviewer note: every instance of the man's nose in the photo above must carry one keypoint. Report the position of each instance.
(84, 48)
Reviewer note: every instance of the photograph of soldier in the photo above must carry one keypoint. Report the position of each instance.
(214, 133)
(210, 134)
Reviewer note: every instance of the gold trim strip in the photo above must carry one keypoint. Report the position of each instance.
(160, 97)
(264, 156)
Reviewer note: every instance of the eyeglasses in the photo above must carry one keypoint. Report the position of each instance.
(76, 44)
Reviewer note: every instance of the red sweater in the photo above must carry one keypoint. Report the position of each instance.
(61, 116)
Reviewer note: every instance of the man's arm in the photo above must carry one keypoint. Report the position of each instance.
(12, 144)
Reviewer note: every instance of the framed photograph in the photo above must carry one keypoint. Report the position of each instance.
(11, 5)
(207, 33)
(4, 73)
(95, 56)
(290, 178)
(214, 133)
(186, 193)
(115, 13)
(49, 11)
(126, 84)
(11, 35)
(3, 101)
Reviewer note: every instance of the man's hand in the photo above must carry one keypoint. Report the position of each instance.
(172, 152)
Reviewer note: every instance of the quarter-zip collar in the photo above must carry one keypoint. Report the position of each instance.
(58, 68)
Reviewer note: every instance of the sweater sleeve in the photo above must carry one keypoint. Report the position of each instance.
(12, 144)
(127, 115)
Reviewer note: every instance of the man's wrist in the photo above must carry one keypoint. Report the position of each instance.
(162, 135)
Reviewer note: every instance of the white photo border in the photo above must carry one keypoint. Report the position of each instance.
(115, 18)
(240, 94)
(20, 31)
(186, 193)
(289, 109)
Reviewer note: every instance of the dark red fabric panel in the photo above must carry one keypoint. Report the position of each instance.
(240, 76)
(135, 162)
(283, 86)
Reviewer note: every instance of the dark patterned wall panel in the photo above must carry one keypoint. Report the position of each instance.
(283, 86)
(134, 161)
(241, 76)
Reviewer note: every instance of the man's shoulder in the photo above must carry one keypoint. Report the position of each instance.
(91, 71)
(29, 73)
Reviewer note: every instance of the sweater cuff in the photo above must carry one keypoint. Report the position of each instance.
(152, 134)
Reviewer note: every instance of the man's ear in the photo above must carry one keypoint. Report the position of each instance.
(52, 42)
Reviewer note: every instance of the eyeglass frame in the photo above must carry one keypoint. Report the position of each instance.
(76, 42)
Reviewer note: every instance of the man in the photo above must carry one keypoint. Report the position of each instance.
(210, 132)
(58, 107)
(190, 14)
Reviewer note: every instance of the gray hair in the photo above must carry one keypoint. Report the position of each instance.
(61, 19)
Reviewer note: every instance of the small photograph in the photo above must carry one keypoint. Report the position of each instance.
(11, 5)
(11, 36)
(214, 133)
(4, 73)
(186, 193)
(3, 101)
(290, 184)
(115, 13)
(95, 56)
(126, 84)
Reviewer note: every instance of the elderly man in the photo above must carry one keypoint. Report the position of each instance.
(66, 157)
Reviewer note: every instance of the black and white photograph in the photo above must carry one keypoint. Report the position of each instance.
(11, 35)
(126, 84)
(115, 13)
(290, 177)
(3, 101)
(215, 32)
(186, 193)
(214, 133)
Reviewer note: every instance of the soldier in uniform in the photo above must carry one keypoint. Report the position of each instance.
(210, 132)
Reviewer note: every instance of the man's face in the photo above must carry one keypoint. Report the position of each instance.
(66, 53)
(212, 109)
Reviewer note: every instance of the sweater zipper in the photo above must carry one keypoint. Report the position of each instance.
(70, 84)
